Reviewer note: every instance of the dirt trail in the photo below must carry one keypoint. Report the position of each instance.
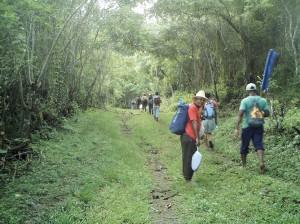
(162, 203)
(161, 197)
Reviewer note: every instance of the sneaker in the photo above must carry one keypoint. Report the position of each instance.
(211, 145)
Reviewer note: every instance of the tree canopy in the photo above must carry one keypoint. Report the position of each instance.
(57, 56)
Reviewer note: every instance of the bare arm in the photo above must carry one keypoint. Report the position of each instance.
(216, 116)
(238, 121)
(215, 105)
(196, 133)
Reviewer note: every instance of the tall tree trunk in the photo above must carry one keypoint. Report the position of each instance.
(212, 66)
(292, 31)
(91, 87)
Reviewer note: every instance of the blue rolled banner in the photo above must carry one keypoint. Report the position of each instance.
(271, 58)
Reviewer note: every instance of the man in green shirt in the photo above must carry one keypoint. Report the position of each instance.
(251, 132)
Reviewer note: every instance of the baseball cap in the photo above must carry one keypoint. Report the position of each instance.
(251, 86)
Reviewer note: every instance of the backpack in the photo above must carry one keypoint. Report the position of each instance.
(209, 110)
(156, 100)
(256, 116)
(179, 119)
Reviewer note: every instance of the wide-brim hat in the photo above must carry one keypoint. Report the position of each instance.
(200, 94)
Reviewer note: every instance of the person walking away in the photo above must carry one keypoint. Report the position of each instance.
(138, 102)
(144, 102)
(210, 120)
(190, 139)
(252, 111)
(150, 104)
(132, 103)
(156, 105)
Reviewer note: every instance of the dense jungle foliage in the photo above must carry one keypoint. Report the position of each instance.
(59, 56)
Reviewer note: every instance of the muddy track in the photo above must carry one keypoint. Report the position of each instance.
(161, 197)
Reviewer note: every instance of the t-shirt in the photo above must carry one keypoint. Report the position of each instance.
(193, 115)
(246, 106)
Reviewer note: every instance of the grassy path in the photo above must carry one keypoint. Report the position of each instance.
(123, 167)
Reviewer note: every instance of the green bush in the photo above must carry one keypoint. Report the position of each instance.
(291, 119)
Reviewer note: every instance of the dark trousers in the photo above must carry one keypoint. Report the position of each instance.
(189, 147)
(150, 108)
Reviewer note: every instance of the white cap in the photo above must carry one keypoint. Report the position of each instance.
(251, 86)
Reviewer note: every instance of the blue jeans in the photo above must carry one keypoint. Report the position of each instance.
(156, 111)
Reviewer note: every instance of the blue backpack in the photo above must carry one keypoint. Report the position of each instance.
(209, 110)
(179, 119)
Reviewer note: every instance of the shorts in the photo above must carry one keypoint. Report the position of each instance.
(254, 134)
(209, 125)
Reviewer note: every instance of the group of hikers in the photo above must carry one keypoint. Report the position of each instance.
(202, 121)
(252, 111)
(152, 102)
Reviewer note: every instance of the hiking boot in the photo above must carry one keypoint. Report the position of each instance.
(211, 145)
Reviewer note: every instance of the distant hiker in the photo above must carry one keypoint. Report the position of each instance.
(144, 102)
(190, 139)
(156, 105)
(138, 102)
(254, 108)
(150, 103)
(132, 103)
(210, 120)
